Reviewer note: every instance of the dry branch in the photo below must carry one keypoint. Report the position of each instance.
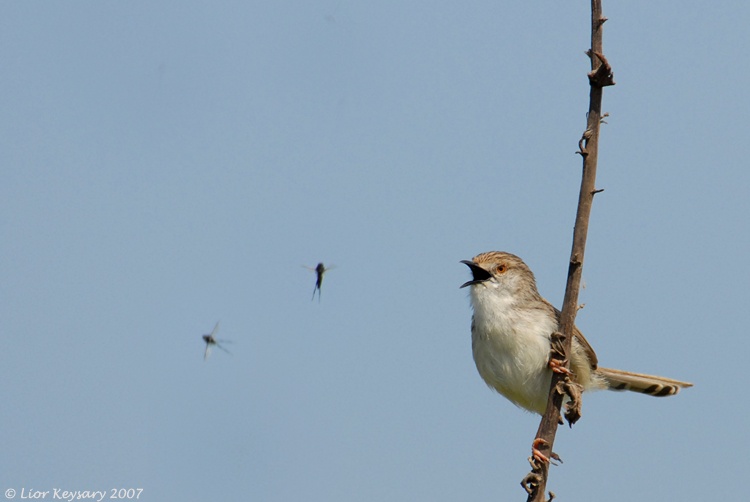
(601, 76)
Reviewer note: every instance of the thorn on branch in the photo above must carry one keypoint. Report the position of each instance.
(581, 306)
(596, 191)
(601, 21)
(560, 387)
(531, 482)
(585, 137)
(601, 119)
(573, 407)
(602, 76)
(532, 464)
(557, 340)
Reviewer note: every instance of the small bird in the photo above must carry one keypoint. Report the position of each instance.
(510, 334)
(210, 340)
(319, 270)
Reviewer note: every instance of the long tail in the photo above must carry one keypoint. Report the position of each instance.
(637, 382)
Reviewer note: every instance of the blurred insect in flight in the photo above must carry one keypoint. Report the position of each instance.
(210, 340)
(319, 270)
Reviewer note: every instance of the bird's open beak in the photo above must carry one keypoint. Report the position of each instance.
(480, 274)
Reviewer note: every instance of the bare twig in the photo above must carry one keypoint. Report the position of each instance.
(601, 76)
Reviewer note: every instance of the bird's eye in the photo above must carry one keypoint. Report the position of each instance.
(500, 269)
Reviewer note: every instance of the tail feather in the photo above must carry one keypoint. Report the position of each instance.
(637, 382)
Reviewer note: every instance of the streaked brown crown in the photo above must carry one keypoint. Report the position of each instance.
(500, 257)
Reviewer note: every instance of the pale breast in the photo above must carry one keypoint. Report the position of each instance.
(511, 349)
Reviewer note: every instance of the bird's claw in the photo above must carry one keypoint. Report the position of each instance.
(559, 367)
(538, 456)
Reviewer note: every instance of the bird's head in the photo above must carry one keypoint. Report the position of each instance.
(501, 272)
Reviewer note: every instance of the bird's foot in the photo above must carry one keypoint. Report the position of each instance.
(538, 456)
(558, 366)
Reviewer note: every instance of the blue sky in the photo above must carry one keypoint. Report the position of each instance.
(166, 165)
